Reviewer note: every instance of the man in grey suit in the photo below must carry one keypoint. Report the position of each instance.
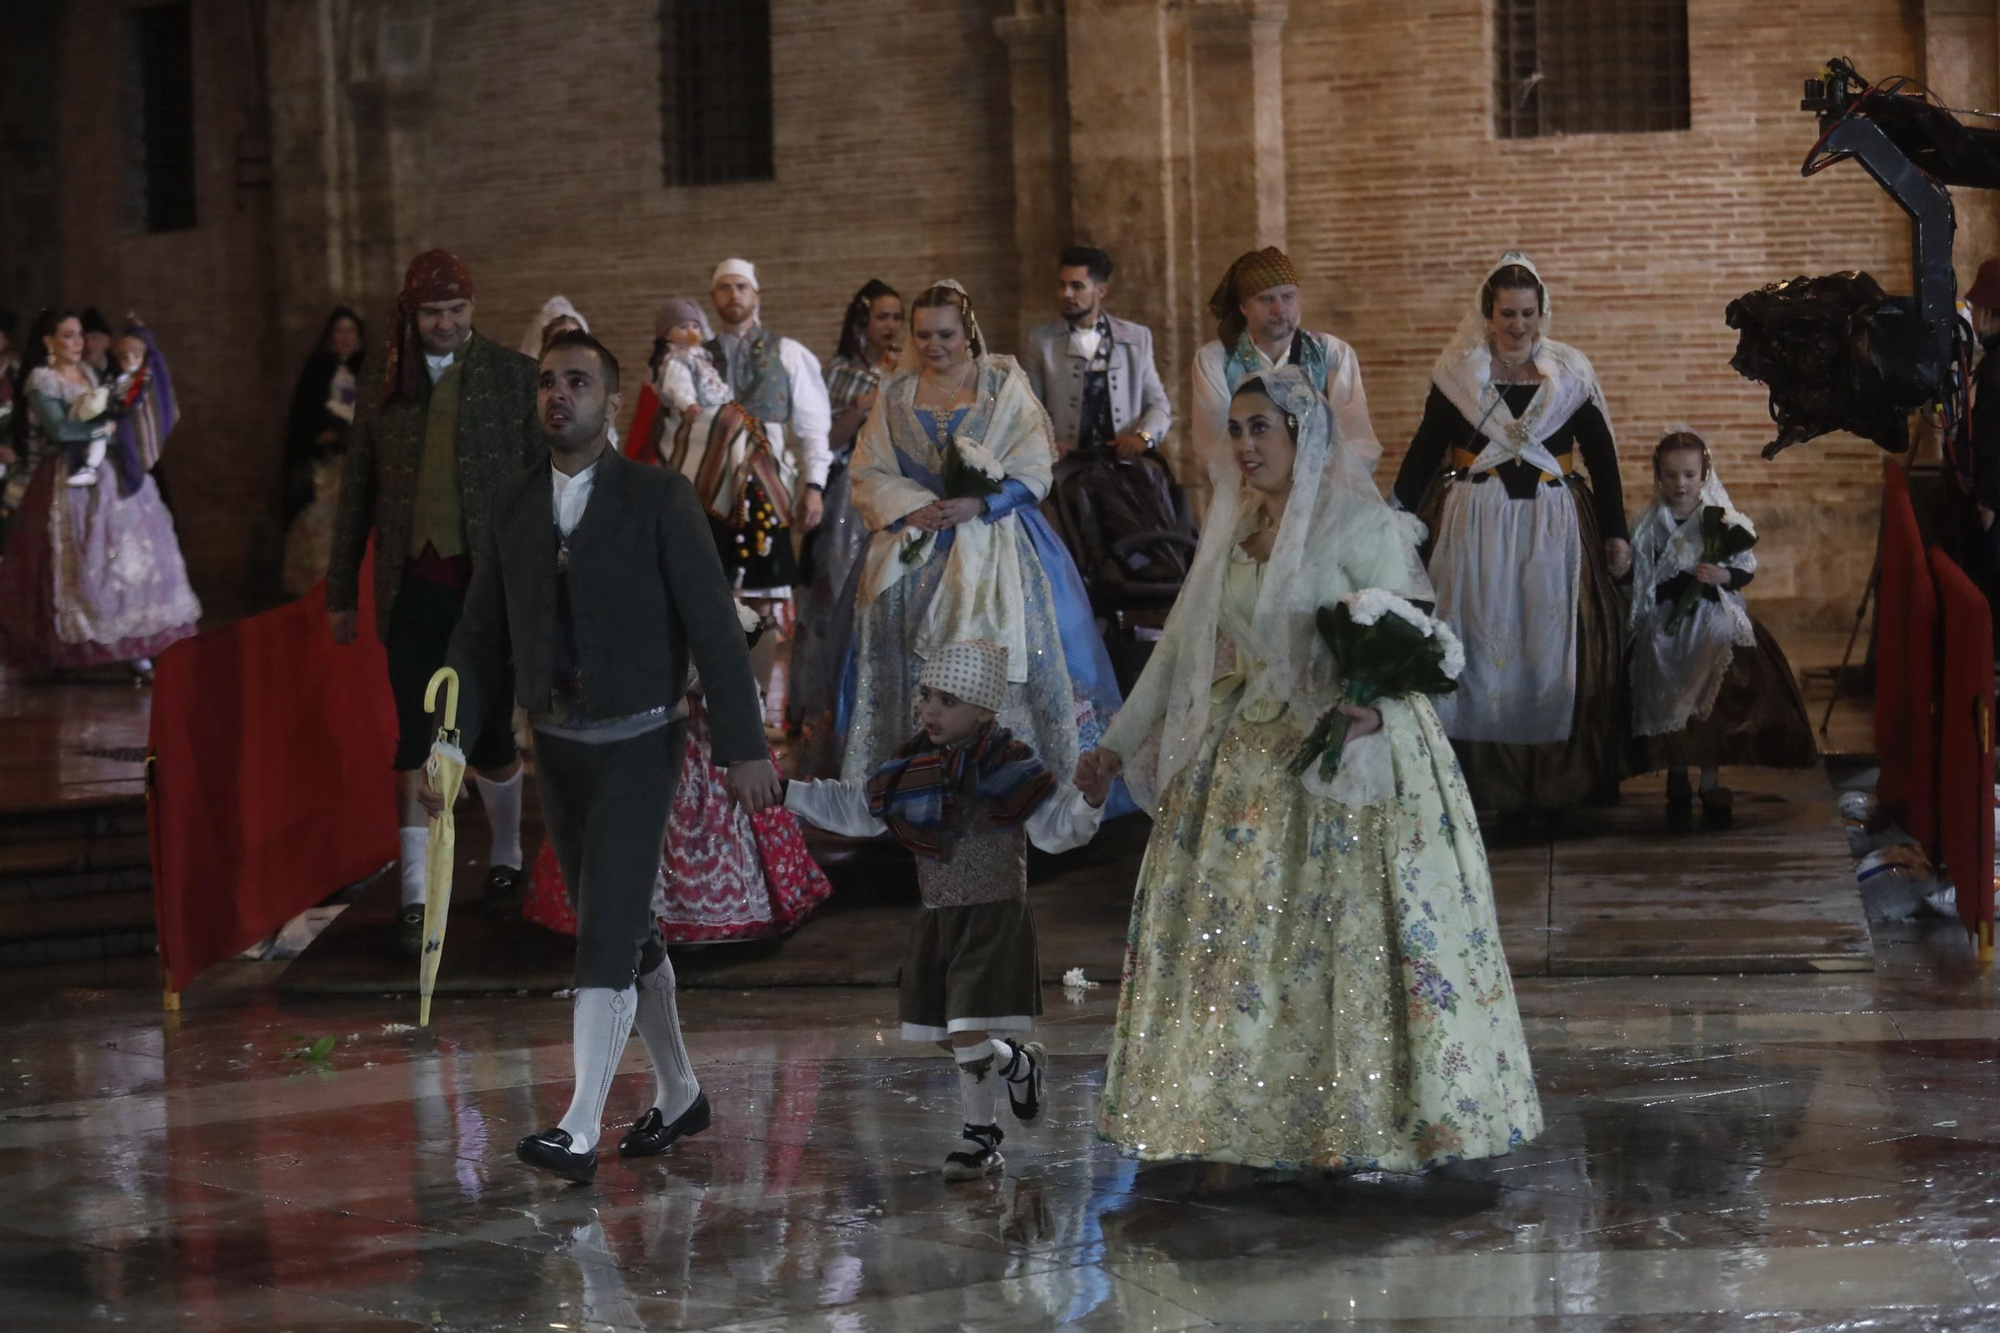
(1093, 371)
(598, 578)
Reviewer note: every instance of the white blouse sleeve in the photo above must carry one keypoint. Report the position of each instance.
(812, 412)
(677, 386)
(1211, 406)
(837, 807)
(1348, 402)
(1064, 821)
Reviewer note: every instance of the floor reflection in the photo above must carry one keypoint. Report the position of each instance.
(1776, 1153)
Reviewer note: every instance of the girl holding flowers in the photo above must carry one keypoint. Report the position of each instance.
(946, 474)
(1314, 977)
(1709, 686)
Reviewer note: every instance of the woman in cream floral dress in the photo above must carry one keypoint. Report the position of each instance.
(1314, 977)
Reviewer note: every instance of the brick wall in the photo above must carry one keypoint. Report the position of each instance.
(546, 157)
(541, 166)
(205, 291)
(1400, 199)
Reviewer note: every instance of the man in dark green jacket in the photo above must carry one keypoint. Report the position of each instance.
(598, 579)
(454, 416)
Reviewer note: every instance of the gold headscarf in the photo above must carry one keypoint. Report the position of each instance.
(1253, 272)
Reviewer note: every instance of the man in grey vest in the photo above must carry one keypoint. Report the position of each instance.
(777, 381)
(1093, 371)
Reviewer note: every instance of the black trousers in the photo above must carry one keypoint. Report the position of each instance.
(420, 627)
(607, 807)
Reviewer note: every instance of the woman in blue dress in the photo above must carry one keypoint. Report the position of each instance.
(941, 569)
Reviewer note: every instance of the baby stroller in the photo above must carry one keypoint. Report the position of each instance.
(1128, 527)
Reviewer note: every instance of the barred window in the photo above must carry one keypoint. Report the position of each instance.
(715, 91)
(1589, 67)
(160, 51)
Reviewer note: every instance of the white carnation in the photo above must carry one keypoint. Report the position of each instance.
(1371, 604)
(1737, 519)
(1075, 980)
(979, 458)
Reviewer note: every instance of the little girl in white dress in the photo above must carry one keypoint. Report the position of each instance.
(1717, 689)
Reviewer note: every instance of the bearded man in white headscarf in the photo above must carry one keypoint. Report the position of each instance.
(777, 381)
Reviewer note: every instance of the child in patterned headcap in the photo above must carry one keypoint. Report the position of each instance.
(967, 798)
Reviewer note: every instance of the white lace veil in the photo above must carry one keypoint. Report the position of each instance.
(1471, 334)
(1649, 563)
(1464, 369)
(552, 309)
(1283, 622)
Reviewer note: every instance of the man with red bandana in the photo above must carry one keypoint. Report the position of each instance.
(453, 417)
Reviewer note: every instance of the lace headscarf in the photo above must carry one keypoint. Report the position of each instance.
(553, 309)
(1322, 494)
(1677, 678)
(1464, 369)
(1663, 546)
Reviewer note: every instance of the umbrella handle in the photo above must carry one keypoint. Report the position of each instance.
(449, 679)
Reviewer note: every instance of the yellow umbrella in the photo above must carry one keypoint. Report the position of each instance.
(446, 770)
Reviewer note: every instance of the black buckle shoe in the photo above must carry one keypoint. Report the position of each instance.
(651, 1135)
(410, 931)
(1024, 1095)
(549, 1151)
(980, 1157)
(503, 891)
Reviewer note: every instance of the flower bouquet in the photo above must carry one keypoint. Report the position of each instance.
(91, 404)
(970, 472)
(1725, 534)
(1385, 647)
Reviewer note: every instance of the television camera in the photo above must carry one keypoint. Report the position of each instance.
(1838, 352)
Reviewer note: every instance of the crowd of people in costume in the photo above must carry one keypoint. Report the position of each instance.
(91, 572)
(898, 559)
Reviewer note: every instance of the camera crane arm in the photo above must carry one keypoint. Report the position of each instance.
(1837, 352)
(1914, 149)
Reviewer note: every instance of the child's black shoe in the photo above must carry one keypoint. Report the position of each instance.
(978, 1154)
(1024, 1079)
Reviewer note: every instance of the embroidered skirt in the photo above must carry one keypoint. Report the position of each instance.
(1311, 985)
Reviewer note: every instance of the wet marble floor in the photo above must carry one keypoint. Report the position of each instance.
(1775, 1153)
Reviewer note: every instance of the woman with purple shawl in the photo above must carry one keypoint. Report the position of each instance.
(93, 573)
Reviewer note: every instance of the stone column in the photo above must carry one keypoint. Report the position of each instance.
(389, 83)
(1122, 174)
(1236, 107)
(1041, 132)
(312, 165)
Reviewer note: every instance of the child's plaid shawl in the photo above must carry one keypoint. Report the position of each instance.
(916, 792)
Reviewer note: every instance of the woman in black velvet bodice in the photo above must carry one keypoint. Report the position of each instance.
(1515, 472)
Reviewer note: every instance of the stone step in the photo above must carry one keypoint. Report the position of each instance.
(38, 918)
(123, 816)
(72, 856)
(76, 882)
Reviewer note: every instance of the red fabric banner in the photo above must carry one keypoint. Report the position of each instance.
(1965, 740)
(1906, 679)
(639, 438)
(271, 783)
